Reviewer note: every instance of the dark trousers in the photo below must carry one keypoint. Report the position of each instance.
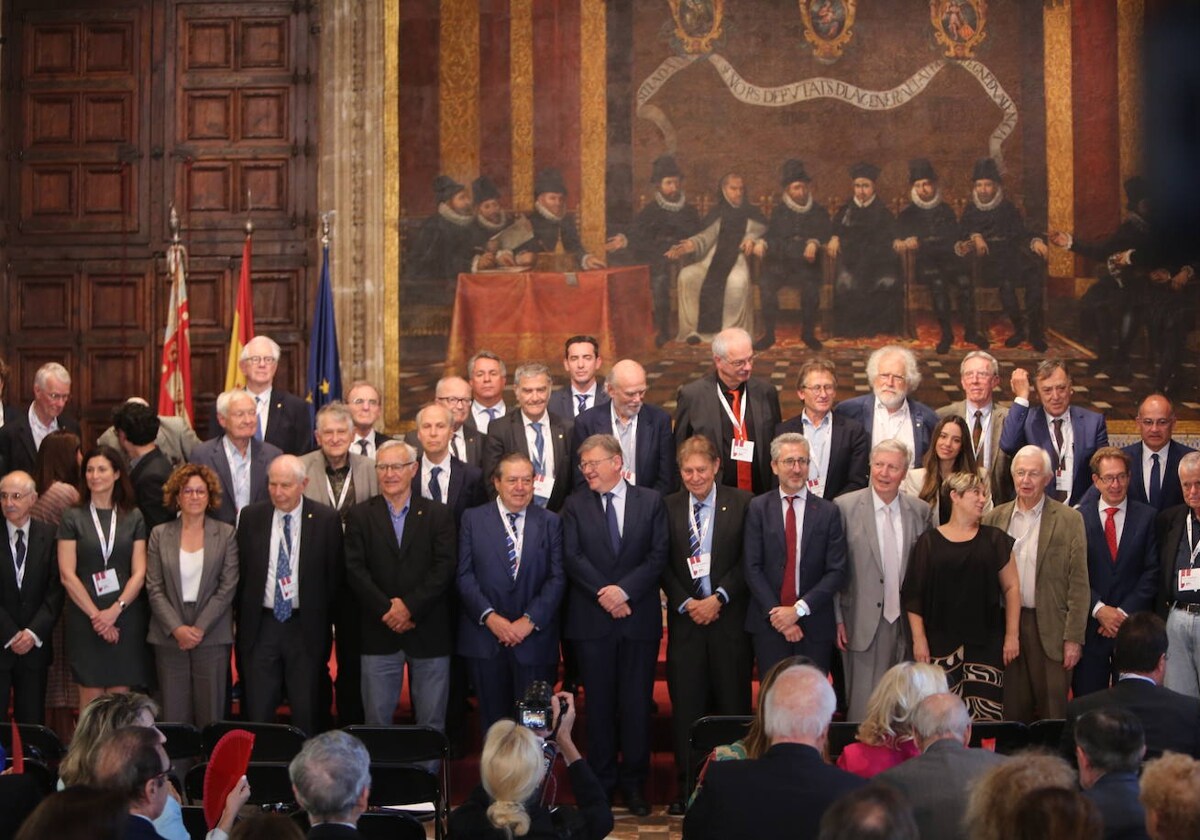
(808, 277)
(1033, 280)
(946, 285)
(1095, 669)
(770, 647)
(618, 675)
(279, 657)
(500, 681)
(348, 641)
(708, 673)
(660, 296)
(28, 687)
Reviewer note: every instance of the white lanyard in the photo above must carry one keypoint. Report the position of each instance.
(739, 423)
(106, 548)
(517, 541)
(1196, 548)
(345, 490)
(818, 452)
(695, 525)
(1060, 452)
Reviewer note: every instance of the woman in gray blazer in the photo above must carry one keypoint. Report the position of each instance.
(191, 578)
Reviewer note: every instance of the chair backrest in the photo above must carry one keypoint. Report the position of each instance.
(1007, 736)
(1046, 733)
(39, 742)
(394, 786)
(272, 741)
(841, 735)
(269, 783)
(708, 733)
(183, 740)
(45, 778)
(389, 825)
(194, 821)
(402, 744)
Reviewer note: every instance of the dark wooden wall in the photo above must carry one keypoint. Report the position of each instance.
(111, 111)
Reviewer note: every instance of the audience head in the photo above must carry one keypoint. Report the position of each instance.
(698, 465)
(733, 355)
(626, 386)
(979, 375)
(258, 362)
(1031, 473)
(97, 720)
(266, 827)
(995, 797)
(132, 761)
(454, 392)
(941, 717)
(513, 479)
(183, 488)
(1108, 740)
(365, 405)
(335, 431)
(395, 465)
(18, 492)
(892, 704)
(1056, 814)
(58, 460)
(237, 416)
(487, 373)
(1156, 421)
(136, 423)
(601, 462)
(79, 812)
(789, 461)
(1110, 473)
(893, 373)
(104, 472)
(799, 707)
(1141, 646)
(874, 812)
(511, 768)
(889, 464)
(51, 391)
(756, 739)
(816, 385)
(331, 777)
(1171, 796)
(733, 189)
(581, 360)
(532, 385)
(1189, 480)
(286, 480)
(1053, 382)
(435, 428)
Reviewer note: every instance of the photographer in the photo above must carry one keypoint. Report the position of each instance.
(513, 800)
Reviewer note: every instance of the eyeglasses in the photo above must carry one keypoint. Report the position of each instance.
(360, 402)
(454, 400)
(400, 467)
(261, 360)
(792, 463)
(194, 491)
(13, 497)
(740, 363)
(1155, 422)
(820, 389)
(591, 465)
(978, 374)
(890, 377)
(55, 397)
(1110, 480)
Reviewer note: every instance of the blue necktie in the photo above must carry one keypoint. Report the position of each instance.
(283, 569)
(513, 561)
(20, 558)
(491, 413)
(435, 489)
(539, 446)
(614, 530)
(702, 584)
(582, 398)
(258, 431)
(1155, 481)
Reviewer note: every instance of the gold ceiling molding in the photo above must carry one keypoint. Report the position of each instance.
(458, 89)
(391, 214)
(1060, 149)
(1131, 16)
(520, 38)
(593, 120)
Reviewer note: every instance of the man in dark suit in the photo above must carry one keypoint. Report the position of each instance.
(889, 412)
(979, 374)
(131, 761)
(838, 446)
(541, 436)
(708, 653)
(784, 793)
(290, 554)
(581, 361)
(238, 458)
(488, 374)
(136, 426)
(331, 777)
(1170, 720)
(1178, 532)
(511, 582)
(22, 436)
(284, 419)
(643, 430)
(1069, 434)
(1122, 565)
(1109, 745)
(615, 548)
(795, 556)
(31, 598)
(443, 477)
(400, 558)
(466, 441)
(936, 782)
(366, 407)
(734, 410)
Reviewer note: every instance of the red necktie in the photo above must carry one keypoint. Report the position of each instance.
(1110, 531)
(787, 589)
(745, 469)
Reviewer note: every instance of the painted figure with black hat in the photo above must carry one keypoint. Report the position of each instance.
(1009, 255)
(928, 230)
(867, 298)
(799, 227)
(658, 226)
(554, 228)
(490, 219)
(442, 247)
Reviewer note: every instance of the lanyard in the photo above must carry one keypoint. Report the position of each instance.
(739, 423)
(695, 525)
(1196, 547)
(106, 548)
(345, 490)
(517, 541)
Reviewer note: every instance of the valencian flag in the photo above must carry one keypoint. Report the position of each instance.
(324, 369)
(175, 387)
(243, 324)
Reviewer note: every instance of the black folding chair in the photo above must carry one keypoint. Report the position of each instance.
(38, 742)
(194, 822)
(269, 784)
(841, 735)
(409, 790)
(41, 775)
(183, 740)
(708, 733)
(390, 825)
(272, 741)
(392, 746)
(1047, 733)
(1009, 735)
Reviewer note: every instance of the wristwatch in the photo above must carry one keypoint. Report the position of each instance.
(121, 604)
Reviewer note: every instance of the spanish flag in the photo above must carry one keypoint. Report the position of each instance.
(243, 324)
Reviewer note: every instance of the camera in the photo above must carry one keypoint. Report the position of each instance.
(536, 711)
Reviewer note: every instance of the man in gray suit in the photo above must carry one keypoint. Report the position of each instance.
(881, 525)
(937, 781)
(175, 438)
(337, 476)
(979, 374)
(238, 458)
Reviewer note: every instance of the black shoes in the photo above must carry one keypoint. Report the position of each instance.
(943, 346)
(1015, 340)
(813, 342)
(979, 340)
(677, 808)
(636, 803)
(1039, 343)
(764, 343)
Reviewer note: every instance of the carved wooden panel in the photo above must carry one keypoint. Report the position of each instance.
(25, 362)
(112, 374)
(208, 115)
(277, 299)
(41, 302)
(115, 302)
(51, 120)
(107, 118)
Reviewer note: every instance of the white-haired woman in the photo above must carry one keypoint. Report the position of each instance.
(885, 736)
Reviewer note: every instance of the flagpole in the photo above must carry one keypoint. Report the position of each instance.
(324, 364)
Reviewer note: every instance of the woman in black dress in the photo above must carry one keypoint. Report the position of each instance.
(962, 599)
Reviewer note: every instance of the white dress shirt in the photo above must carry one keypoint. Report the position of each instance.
(443, 477)
(897, 424)
(802, 608)
(985, 436)
(1025, 526)
(819, 438)
(293, 560)
(479, 412)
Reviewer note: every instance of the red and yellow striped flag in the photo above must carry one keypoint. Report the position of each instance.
(243, 324)
(175, 387)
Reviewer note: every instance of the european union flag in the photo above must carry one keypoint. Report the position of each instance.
(324, 369)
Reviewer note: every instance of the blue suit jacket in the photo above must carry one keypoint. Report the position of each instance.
(862, 409)
(591, 564)
(1025, 425)
(211, 454)
(1131, 582)
(822, 562)
(484, 583)
(1171, 492)
(655, 444)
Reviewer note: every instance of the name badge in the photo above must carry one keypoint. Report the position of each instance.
(741, 450)
(816, 486)
(630, 476)
(1189, 580)
(699, 565)
(1062, 481)
(288, 587)
(105, 581)
(543, 485)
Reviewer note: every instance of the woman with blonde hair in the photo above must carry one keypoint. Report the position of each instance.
(885, 736)
(512, 769)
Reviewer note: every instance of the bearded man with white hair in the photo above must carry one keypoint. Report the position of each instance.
(889, 412)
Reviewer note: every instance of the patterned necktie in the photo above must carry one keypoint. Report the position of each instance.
(977, 433)
(20, 555)
(362, 447)
(491, 413)
(1056, 461)
(787, 588)
(1155, 481)
(582, 400)
(539, 450)
(702, 584)
(1110, 531)
(258, 431)
(435, 489)
(891, 568)
(745, 469)
(456, 445)
(514, 562)
(614, 530)
(283, 569)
